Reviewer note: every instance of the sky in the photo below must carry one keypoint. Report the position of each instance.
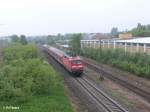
(44, 17)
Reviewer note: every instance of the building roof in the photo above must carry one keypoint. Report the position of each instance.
(95, 36)
(142, 40)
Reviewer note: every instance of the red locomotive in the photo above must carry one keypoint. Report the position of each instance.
(73, 64)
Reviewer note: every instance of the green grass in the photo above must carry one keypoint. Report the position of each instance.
(57, 101)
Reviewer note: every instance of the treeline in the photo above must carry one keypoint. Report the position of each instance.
(74, 43)
(16, 39)
(139, 31)
(137, 63)
(24, 75)
(49, 39)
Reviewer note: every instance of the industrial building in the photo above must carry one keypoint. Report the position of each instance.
(140, 44)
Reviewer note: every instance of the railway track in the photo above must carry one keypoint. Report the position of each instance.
(109, 75)
(100, 97)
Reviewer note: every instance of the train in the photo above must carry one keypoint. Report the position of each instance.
(73, 64)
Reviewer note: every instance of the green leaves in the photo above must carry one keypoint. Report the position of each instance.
(25, 75)
(136, 63)
(23, 40)
(18, 51)
(114, 32)
(141, 31)
(75, 43)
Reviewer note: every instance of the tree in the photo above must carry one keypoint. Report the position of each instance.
(23, 40)
(50, 40)
(141, 31)
(75, 43)
(139, 25)
(114, 32)
(14, 38)
(148, 27)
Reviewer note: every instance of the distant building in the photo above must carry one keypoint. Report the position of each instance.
(125, 36)
(134, 45)
(95, 36)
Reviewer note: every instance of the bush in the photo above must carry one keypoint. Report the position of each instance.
(18, 51)
(21, 82)
(24, 74)
(13, 84)
(136, 63)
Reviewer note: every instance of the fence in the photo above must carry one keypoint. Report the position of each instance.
(114, 44)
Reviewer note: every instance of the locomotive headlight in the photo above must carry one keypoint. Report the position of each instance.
(74, 67)
(77, 67)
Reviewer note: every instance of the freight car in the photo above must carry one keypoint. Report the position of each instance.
(73, 64)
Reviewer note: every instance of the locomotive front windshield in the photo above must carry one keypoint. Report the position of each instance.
(76, 62)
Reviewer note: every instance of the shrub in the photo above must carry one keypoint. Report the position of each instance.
(20, 51)
(136, 63)
(21, 82)
(24, 74)
(13, 84)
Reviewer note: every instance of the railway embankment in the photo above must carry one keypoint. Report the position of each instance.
(135, 63)
(121, 94)
(89, 100)
(119, 76)
(127, 91)
(28, 84)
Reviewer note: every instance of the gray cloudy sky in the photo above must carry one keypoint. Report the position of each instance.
(38, 17)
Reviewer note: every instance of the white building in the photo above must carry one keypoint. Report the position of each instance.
(141, 44)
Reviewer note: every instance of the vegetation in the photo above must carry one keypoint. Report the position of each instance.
(141, 31)
(75, 43)
(26, 82)
(22, 39)
(137, 63)
(18, 51)
(114, 32)
(14, 38)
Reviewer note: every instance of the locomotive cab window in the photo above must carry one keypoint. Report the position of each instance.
(76, 62)
(65, 56)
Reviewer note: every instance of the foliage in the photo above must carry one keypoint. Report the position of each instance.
(24, 75)
(14, 38)
(53, 39)
(137, 63)
(23, 40)
(75, 43)
(19, 51)
(21, 79)
(114, 32)
(141, 31)
(52, 103)
(29, 83)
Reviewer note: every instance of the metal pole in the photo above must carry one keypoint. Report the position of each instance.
(125, 46)
(144, 48)
(114, 44)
